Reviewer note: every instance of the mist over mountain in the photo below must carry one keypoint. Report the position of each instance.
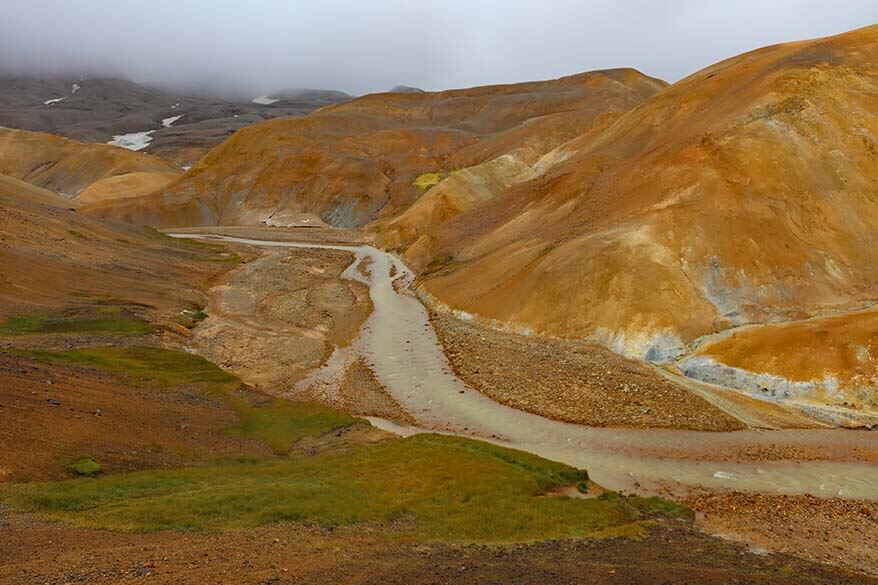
(262, 47)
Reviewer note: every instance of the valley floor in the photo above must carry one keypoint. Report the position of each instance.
(272, 321)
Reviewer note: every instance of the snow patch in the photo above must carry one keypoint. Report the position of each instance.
(55, 101)
(133, 141)
(264, 100)
(76, 87)
(186, 167)
(168, 122)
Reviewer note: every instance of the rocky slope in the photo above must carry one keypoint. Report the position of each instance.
(372, 157)
(181, 127)
(740, 195)
(79, 171)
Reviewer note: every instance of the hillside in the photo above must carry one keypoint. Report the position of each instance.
(740, 195)
(80, 171)
(55, 260)
(372, 157)
(181, 127)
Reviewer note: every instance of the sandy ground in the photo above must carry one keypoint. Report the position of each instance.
(359, 392)
(277, 317)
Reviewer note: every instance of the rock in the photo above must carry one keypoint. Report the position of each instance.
(53, 401)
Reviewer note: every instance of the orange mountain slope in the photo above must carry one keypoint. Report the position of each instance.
(354, 162)
(743, 194)
(79, 171)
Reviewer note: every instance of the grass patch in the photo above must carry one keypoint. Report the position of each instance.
(427, 180)
(85, 466)
(430, 487)
(227, 258)
(435, 487)
(108, 322)
(277, 423)
(280, 424)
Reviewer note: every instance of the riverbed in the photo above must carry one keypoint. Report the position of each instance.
(401, 347)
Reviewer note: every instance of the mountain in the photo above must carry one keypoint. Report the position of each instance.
(78, 171)
(372, 157)
(56, 259)
(743, 195)
(178, 127)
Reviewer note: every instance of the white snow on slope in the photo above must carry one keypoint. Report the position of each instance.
(54, 101)
(133, 141)
(76, 87)
(264, 100)
(168, 122)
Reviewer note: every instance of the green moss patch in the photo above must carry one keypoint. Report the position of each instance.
(277, 423)
(427, 180)
(106, 322)
(85, 466)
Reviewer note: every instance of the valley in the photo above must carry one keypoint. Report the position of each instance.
(600, 328)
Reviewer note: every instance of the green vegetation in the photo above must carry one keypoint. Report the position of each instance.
(85, 466)
(108, 321)
(281, 424)
(427, 180)
(227, 258)
(428, 486)
(189, 319)
(432, 486)
(277, 423)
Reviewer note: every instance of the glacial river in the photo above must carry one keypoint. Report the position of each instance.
(399, 343)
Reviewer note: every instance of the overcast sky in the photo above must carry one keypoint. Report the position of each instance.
(361, 46)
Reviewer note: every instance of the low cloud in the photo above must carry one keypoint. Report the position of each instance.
(262, 46)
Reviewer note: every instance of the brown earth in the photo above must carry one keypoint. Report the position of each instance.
(310, 554)
(354, 162)
(38, 552)
(53, 415)
(54, 258)
(812, 356)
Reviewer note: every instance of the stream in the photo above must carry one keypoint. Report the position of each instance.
(400, 345)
